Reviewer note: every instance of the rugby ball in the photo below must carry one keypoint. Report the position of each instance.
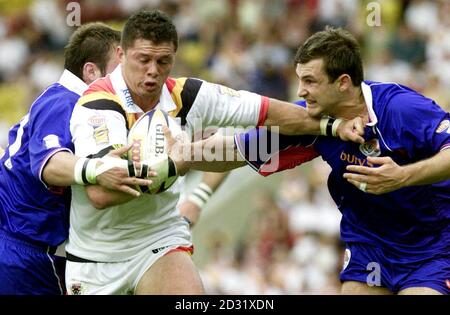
(149, 144)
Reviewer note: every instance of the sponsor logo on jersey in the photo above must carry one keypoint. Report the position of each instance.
(101, 134)
(347, 257)
(51, 141)
(443, 126)
(353, 159)
(128, 99)
(96, 120)
(370, 148)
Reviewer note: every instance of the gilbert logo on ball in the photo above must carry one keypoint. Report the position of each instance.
(149, 144)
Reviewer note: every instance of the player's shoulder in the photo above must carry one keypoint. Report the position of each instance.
(56, 95)
(100, 95)
(396, 99)
(103, 84)
(178, 85)
(184, 92)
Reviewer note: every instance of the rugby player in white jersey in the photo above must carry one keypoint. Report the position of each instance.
(124, 245)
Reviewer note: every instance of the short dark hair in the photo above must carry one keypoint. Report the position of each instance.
(154, 25)
(92, 42)
(339, 50)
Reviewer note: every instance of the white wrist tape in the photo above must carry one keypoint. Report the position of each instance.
(329, 126)
(335, 126)
(323, 125)
(85, 171)
(110, 162)
(200, 195)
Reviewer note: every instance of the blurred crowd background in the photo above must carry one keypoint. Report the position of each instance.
(289, 242)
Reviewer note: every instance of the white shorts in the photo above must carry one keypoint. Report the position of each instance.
(89, 278)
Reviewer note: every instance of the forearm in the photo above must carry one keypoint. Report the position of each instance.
(429, 171)
(214, 180)
(291, 119)
(215, 154)
(59, 170)
(102, 198)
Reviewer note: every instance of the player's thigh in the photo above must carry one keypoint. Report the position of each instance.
(173, 273)
(360, 288)
(419, 291)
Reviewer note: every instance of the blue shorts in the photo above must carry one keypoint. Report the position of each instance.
(369, 264)
(27, 268)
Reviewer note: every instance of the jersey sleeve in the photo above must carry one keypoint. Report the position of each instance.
(49, 131)
(207, 104)
(269, 152)
(418, 125)
(98, 124)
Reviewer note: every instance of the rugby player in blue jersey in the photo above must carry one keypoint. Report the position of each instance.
(38, 165)
(397, 242)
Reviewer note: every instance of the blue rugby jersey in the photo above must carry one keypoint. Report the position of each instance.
(29, 209)
(404, 125)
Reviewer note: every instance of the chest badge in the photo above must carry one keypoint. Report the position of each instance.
(370, 148)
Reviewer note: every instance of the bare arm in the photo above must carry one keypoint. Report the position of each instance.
(214, 154)
(59, 171)
(390, 176)
(294, 120)
(291, 119)
(192, 206)
(102, 198)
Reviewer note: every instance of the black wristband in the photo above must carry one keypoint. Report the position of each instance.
(172, 168)
(144, 170)
(83, 172)
(329, 129)
(131, 170)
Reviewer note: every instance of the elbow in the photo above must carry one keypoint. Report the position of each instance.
(99, 205)
(97, 199)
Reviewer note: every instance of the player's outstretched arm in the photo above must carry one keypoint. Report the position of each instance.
(217, 153)
(294, 120)
(60, 170)
(389, 176)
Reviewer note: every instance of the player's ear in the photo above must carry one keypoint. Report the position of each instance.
(91, 72)
(120, 53)
(344, 82)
